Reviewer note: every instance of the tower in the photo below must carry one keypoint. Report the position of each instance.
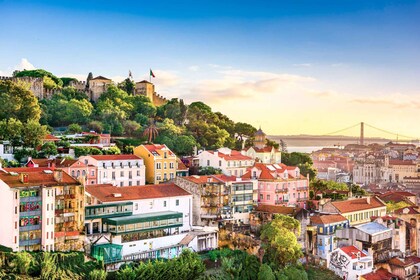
(362, 133)
(260, 137)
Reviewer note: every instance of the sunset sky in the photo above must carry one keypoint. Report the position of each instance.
(307, 67)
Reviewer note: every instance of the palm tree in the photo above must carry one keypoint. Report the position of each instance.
(151, 132)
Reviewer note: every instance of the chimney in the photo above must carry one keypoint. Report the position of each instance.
(58, 175)
(24, 178)
(368, 199)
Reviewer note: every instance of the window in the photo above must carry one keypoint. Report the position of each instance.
(208, 162)
(177, 202)
(164, 203)
(158, 165)
(138, 183)
(138, 172)
(92, 172)
(171, 165)
(165, 177)
(130, 175)
(113, 175)
(136, 206)
(130, 183)
(220, 163)
(165, 155)
(164, 165)
(16, 195)
(268, 197)
(121, 184)
(121, 173)
(171, 175)
(72, 173)
(261, 196)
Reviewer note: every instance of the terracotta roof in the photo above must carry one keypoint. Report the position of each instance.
(158, 148)
(273, 171)
(413, 259)
(100, 78)
(352, 251)
(358, 204)
(276, 209)
(397, 197)
(380, 274)
(41, 162)
(203, 179)
(181, 165)
(401, 162)
(234, 155)
(266, 149)
(411, 210)
(114, 157)
(96, 134)
(105, 193)
(400, 262)
(327, 219)
(36, 177)
(51, 137)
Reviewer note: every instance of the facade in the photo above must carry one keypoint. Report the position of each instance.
(326, 227)
(399, 228)
(349, 262)
(160, 162)
(119, 170)
(231, 162)
(374, 238)
(148, 89)
(142, 222)
(97, 86)
(356, 210)
(279, 184)
(269, 155)
(181, 169)
(6, 150)
(403, 268)
(220, 198)
(42, 210)
(379, 274)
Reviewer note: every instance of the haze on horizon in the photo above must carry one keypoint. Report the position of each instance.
(292, 68)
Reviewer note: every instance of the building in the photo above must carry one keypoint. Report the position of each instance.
(100, 139)
(356, 210)
(399, 196)
(403, 268)
(400, 235)
(97, 86)
(325, 227)
(279, 184)
(142, 222)
(220, 198)
(148, 89)
(374, 238)
(349, 262)
(119, 170)
(160, 162)
(263, 214)
(231, 162)
(42, 210)
(181, 169)
(6, 150)
(379, 274)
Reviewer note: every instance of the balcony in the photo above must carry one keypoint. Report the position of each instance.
(70, 196)
(281, 190)
(302, 188)
(278, 202)
(302, 199)
(29, 242)
(108, 210)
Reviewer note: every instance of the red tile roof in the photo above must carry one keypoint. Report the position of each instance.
(276, 209)
(411, 210)
(401, 162)
(181, 165)
(234, 155)
(104, 193)
(274, 174)
(413, 259)
(358, 204)
(114, 157)
(36, 177)
(218, 178)
(327, 219)
(380, 274)
(400, 262)
(58, 162)
(50, 137)
(352, 251)
(397, 197)
(154, 148)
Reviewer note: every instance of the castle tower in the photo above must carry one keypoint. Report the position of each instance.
(145, 88)
(259, 140)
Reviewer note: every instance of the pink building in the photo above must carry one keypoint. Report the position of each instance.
(279, 184)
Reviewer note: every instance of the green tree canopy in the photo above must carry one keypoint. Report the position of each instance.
(18, 102)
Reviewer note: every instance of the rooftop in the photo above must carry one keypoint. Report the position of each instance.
(115, 157)
(158, 149)
(276, 209)
(352, 252)
(373, 228)
(109, 193)
(13, 177)
(380, 274)
(327, 219)
(358, 204)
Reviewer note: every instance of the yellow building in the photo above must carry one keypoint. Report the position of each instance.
(159, 160)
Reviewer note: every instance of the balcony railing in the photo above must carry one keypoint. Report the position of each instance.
(302, 199)
(281, 190)
(278, 202)
(302, 188)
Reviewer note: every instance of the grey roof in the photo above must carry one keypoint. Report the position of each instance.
(372, 228)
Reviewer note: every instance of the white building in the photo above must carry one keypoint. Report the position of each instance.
(143, 222)
(6, 150)
(264, 154)
(349, 262)
(118, 170)
(231, 162)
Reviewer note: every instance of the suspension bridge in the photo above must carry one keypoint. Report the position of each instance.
(367, 134)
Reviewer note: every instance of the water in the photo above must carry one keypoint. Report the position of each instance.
(306, 149)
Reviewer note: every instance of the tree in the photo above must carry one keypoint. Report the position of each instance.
(208, 170)
(279, 239)
(18, 102)
(97, 274)
(74, 128)
(127, 85)
(22, 262)
(266, 273)
(244, 130)
(40, 73)
(151, 131)
(96, 126)
(131, 128)
(301, 160)
(33, 133)
(184, 145)
(49, 149)
(71, 93)
(11, 130)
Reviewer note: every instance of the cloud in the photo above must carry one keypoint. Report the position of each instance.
(165, 78)
(24, 65)
(80, 77)
(396, 100)
(235, 84)
(194, 68)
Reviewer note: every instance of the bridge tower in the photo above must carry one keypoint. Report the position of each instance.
(362, 133)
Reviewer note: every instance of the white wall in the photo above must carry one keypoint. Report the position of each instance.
(48, 198)
(8, 203)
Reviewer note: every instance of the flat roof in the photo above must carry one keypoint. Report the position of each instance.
(372, 228)
(156, 216)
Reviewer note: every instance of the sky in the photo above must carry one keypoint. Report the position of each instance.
(291, 67)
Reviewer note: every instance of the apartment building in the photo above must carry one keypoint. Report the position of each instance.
(118, 170)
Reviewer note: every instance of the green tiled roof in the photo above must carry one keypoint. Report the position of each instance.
(157, 216)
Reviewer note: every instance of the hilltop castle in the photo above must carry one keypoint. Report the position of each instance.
(93, 88)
